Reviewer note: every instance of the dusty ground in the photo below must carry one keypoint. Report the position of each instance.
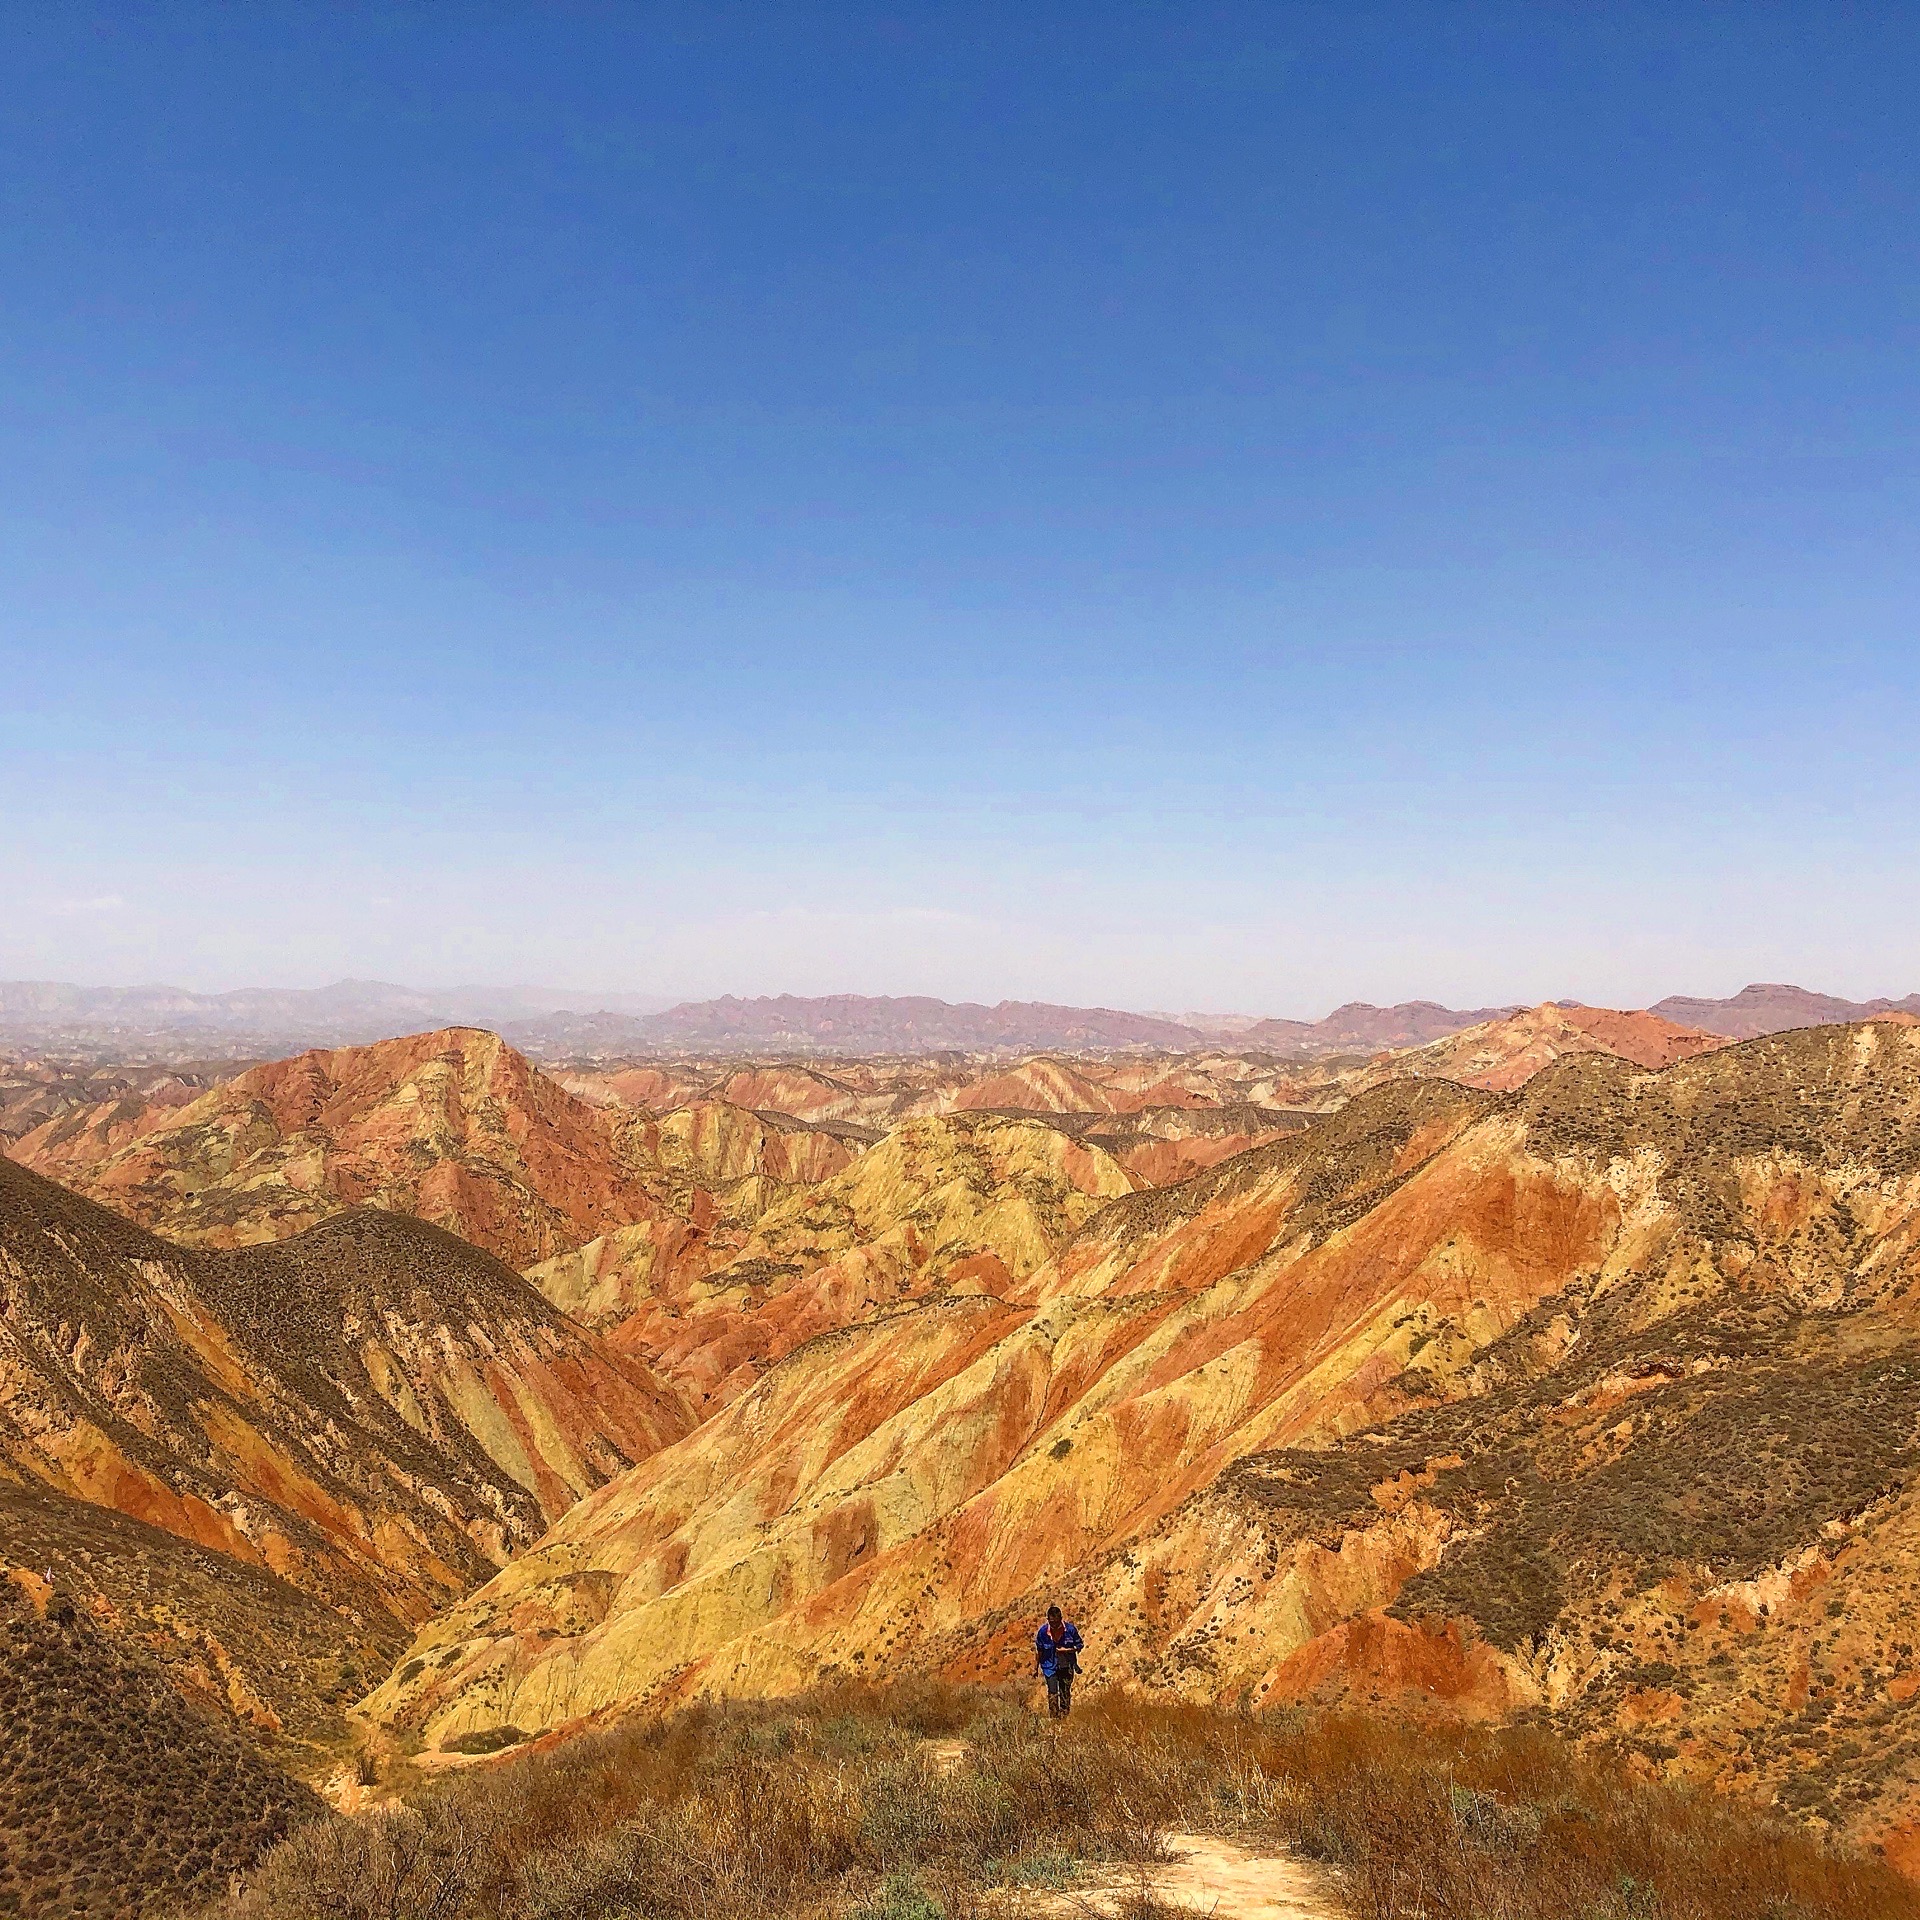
(1202, 1874)
(1210, 1876)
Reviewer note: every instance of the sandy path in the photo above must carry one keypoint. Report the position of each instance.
(1208, 1876)
(1203, 1875)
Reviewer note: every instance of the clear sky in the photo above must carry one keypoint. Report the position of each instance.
(1190, 506)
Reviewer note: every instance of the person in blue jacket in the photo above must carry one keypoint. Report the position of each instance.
(1057, 1648)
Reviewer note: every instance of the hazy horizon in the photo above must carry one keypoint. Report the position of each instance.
(635, 1004)
(1251, 511)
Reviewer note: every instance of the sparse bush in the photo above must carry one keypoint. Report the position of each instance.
(900, 1897)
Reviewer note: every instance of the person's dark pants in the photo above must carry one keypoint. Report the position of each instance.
(1059, 1695)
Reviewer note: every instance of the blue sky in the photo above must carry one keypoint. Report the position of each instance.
(1185, 507)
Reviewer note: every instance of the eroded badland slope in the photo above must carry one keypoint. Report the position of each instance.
(1506, 1053)
(863, 1450)
(266, 1464)
(963, 1203)
(458, 1128)
(1596, 1401)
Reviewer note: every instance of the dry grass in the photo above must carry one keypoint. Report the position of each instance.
(833, 1805)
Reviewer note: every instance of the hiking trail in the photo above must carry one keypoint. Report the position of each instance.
(1203, 1875)
(1212, 1879)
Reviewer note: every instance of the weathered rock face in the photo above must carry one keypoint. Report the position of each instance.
(657, 1089)
(1598, 1399)
(375, 1412)
(808, 1093)
(743, 1162)
(1059, 1086)
(960, 1203)
(1161, 1146)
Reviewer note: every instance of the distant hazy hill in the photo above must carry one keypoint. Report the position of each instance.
(1358, 1027)
(1769, 1008)
(355, 1012)
(177, 1024)
(274, 1019)
(859, 1023)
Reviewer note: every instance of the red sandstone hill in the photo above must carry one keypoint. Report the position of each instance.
(454, 1127)
(1595, 1401)
(1506, 1053)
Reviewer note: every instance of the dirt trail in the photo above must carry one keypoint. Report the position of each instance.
(1207, 1876)
(1202, 1875)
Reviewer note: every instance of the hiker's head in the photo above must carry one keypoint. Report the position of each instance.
(1053, 1616)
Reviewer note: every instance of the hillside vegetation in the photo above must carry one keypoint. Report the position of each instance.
(116, 1796)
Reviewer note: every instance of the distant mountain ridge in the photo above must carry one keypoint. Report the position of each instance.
(343, 1013)
(1765, 1007)
(550, 1022)
(854, 1023)
(1360, 1027)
